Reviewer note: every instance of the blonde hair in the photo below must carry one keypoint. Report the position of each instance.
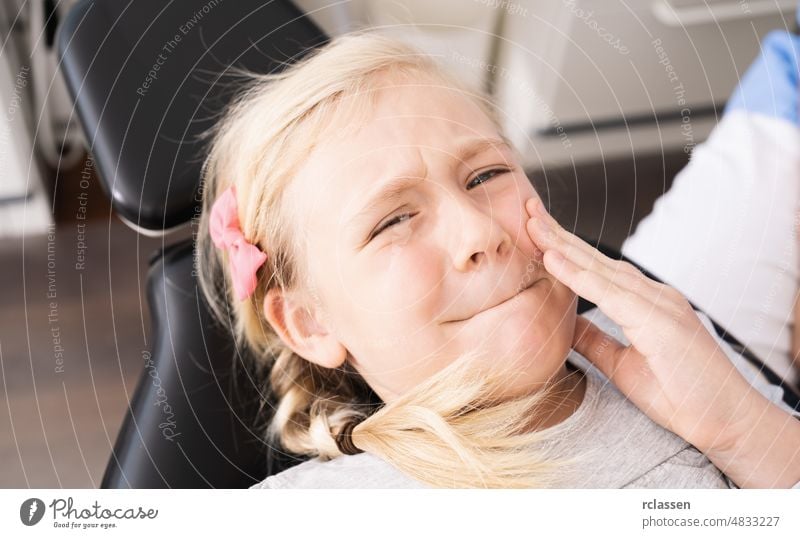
(450, 431)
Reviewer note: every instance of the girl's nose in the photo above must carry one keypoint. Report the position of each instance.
(478, 235)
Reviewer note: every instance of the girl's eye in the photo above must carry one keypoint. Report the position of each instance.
(483, 177)
(392, 222)
(487, 175)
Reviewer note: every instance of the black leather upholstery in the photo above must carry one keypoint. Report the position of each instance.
(142, 129)
(191, 420)
(187, 426)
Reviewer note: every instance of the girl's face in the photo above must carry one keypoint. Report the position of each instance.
(414, 231)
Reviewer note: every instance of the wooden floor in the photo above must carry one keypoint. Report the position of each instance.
(70, 350)
(71, 339)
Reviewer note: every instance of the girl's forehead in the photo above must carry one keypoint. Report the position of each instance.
(396, 143)
(399, 109)
(407, 125)
(410, 118)
(426, 101)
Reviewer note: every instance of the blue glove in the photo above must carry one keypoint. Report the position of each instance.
(771, 86)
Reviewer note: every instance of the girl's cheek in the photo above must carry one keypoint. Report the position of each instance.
(402, 247)
(410, 275)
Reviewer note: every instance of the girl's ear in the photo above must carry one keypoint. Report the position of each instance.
(301, 330)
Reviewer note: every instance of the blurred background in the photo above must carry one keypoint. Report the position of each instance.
(605, 100)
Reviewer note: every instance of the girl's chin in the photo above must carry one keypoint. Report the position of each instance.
(524, 369)
(513, 339)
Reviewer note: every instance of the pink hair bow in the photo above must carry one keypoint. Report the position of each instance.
(244, 258)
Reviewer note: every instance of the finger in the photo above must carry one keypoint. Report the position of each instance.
(550, 230)
(548, 233)
(591, 259)
(602, 349)
(626, 307)
(624, 275)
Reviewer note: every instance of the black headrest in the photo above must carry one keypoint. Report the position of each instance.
(195, 419)
(147, 76)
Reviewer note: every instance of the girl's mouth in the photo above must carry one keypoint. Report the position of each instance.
(504, 301)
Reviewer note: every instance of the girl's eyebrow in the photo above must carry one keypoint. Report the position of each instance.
(390, 191)
(396, 186)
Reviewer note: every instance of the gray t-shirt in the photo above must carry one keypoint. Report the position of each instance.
(619, 446)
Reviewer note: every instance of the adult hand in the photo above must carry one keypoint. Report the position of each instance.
(673, 369)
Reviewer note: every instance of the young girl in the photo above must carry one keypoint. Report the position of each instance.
(370, 236)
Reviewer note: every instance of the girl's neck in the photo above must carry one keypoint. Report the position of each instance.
(566, 397)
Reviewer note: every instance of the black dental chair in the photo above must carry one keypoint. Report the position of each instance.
(146, 77)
